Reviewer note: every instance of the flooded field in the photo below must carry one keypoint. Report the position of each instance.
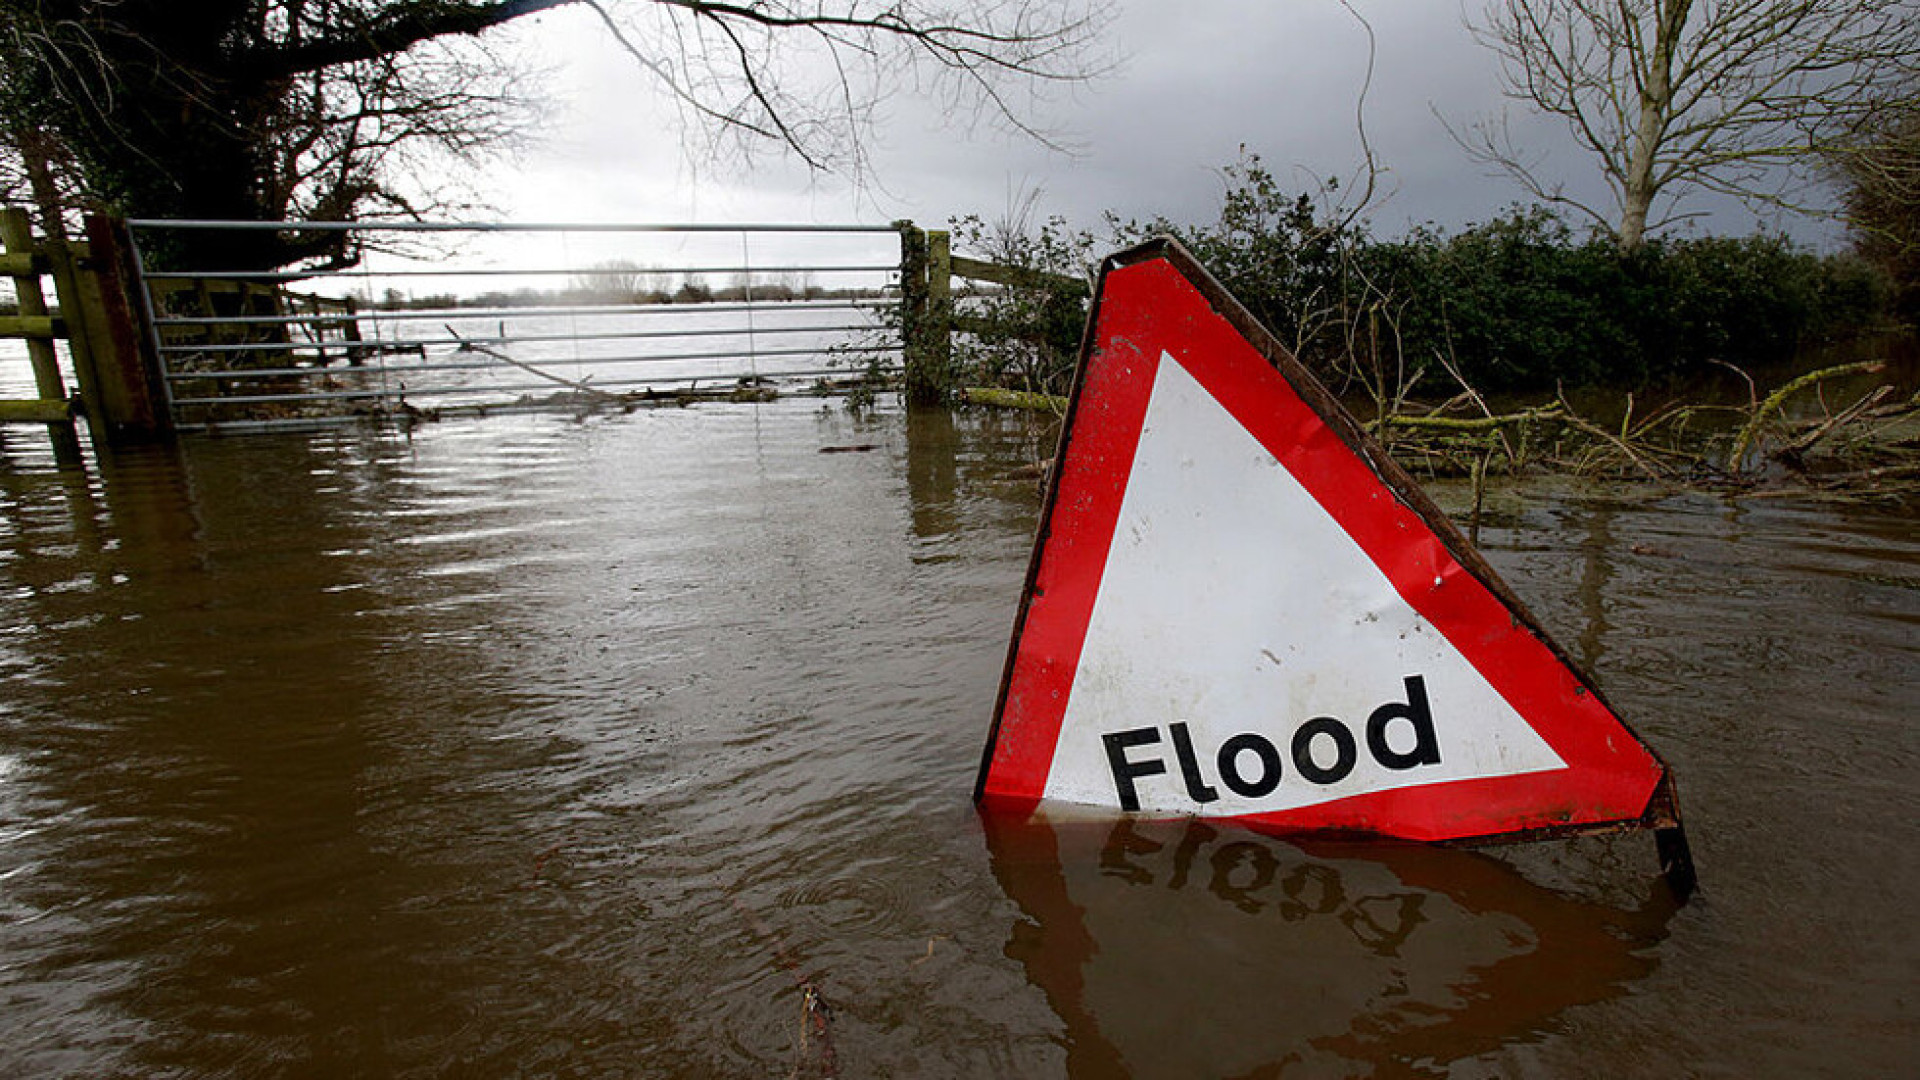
(587, 746)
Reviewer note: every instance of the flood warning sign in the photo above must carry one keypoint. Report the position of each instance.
(1239, 607)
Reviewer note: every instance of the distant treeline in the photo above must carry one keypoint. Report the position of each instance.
(1521, 302)
(617, 284)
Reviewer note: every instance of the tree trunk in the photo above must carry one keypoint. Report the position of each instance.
(1636, 201)
(38, 159)
(178, 132)
(1640, 184)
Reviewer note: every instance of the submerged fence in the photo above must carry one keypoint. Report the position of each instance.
(209, 325)
(486, 316)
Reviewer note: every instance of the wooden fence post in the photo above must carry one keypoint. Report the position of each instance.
(132, 403)
(913, 297)
(82, 349)
(926, 312)
(939, 345)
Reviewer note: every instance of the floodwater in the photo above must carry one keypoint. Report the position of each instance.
(590, 746)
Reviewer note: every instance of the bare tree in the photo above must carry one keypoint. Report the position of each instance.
(270, 109)
(1738, 97)
(1879, 174)
(612, 279)
(342, 135)
(37, 172)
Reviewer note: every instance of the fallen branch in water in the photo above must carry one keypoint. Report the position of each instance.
(1430, 422)
(816, 1016)
(1743, 442)
(1866, 447)
(1870, 445)
(578, 387)
(1619, 443)
(1806, 440)
(1014, 399)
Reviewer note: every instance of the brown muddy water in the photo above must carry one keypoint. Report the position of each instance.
(540, 746)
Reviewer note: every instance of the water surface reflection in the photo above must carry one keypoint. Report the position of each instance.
(555, 745)
(1182, 948)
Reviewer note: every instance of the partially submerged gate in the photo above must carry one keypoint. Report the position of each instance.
(424, 317)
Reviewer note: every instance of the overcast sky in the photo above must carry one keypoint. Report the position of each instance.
(1195, 81)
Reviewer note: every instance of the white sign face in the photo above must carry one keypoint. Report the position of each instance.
(1246, 656)
(1239, 607)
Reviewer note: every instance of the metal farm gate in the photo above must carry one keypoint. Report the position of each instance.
(409, 318)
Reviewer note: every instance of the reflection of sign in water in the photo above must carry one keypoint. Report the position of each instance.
(1185, 949)
(1239, 607)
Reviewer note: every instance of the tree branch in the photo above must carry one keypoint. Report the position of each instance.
(391, 29)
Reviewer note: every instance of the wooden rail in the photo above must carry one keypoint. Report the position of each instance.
(25, 262)
(32, 327)
(36, 412)
(1014, 276)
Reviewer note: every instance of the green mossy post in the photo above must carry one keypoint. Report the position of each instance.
(913, 304)
(926, 312)
(939, 344)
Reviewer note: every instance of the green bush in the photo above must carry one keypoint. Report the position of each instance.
(1508, 302)
(1521, 303)
(1518, 303)
(1024, 337)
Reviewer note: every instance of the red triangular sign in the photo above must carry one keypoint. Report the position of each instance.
(1239, 607)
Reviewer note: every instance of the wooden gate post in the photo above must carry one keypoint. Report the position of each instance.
(913, 302)
(111, 325)
(61, 254)
(926, 312)
(938, 360)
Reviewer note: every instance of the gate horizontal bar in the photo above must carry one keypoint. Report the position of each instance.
(501, 226)
(395, 315)
(305, 275)
(517, 388)
(496, 365)
(408, 344)
(393, 370)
